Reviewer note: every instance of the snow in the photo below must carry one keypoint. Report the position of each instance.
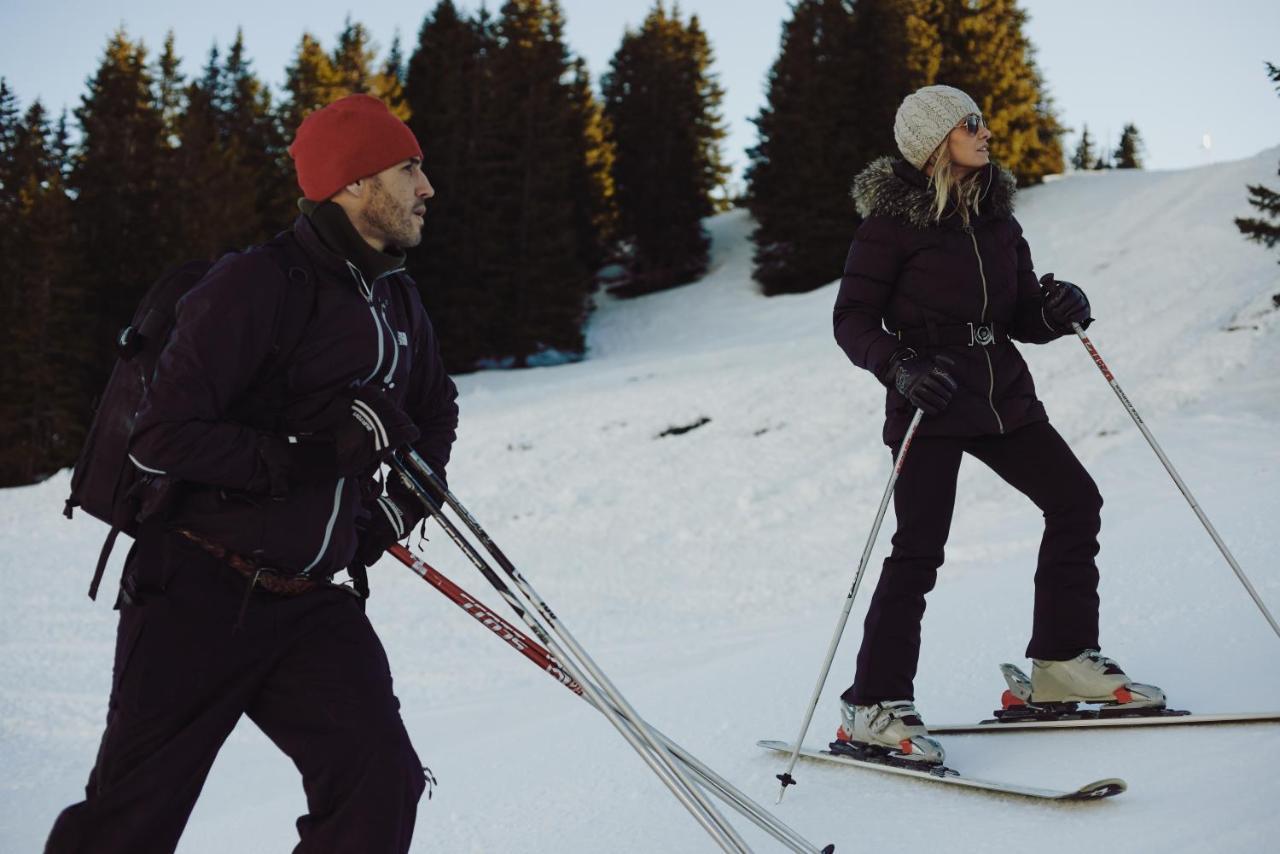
(705, 570)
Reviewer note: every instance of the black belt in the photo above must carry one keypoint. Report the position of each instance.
(954, 335)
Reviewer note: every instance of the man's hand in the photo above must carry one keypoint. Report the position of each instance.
(923, 380)
(375, 428)
(369, 428)
(388, 523)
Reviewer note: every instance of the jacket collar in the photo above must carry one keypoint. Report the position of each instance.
(891, 187)
(328, 235)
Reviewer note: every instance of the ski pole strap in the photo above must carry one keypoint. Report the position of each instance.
(972, 334)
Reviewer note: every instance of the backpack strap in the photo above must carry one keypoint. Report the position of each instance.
(107, 546)
(297, 306)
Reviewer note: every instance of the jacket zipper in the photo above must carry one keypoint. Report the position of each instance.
(378, 324)
(991, 371)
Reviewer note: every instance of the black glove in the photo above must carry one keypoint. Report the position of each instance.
(389, 522)
(375, 428)
(923, 380)
(368, 428)
(1064, 304)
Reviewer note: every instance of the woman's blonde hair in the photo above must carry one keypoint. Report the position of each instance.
(965, 193)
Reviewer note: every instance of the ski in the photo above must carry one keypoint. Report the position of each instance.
(949, 776)
(1089, 718)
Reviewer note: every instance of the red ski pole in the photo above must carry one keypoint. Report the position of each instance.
(530, 649)
(515, 638)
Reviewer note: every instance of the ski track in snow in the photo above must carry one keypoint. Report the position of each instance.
(705, 571)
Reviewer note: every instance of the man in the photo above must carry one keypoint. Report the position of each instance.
(227, 605)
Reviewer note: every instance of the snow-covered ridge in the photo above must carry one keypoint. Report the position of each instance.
(705, 569)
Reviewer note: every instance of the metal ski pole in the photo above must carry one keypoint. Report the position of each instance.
(639, 736)
(785, 777)
(1186, 493)
(530, 649)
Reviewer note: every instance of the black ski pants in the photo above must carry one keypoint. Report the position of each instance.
(308, 670)
(1037, 462)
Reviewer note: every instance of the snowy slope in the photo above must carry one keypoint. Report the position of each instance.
(704, 571)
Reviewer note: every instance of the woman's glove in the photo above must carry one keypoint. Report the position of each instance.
(923, 380)
(1064, 304)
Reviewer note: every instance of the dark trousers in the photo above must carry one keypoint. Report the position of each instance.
(1033, 460)
(308, 670)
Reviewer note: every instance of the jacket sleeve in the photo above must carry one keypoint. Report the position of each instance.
(1029, 323)
(432, 403)
(870, 272)
(221, 337)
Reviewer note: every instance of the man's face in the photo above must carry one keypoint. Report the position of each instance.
(396, 208)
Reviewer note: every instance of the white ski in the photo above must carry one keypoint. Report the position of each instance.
(993, 725)
(1088, 792)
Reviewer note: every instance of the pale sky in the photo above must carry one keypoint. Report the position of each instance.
(1178, 69)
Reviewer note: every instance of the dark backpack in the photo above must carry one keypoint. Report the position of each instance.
(105, 483)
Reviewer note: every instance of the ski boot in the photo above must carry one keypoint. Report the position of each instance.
(1055, 688)
(890, 732)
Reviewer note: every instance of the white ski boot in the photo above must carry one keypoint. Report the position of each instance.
(1090, 677)
(892, 728)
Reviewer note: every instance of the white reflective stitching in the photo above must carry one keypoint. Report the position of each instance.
(147, 469)
(328, 531)
(392, 512)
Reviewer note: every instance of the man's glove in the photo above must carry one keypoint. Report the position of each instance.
(375, 429)
(367, 428)
(923, 380)
(389, 523)
(1064, 304)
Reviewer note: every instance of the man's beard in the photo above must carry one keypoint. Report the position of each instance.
(390, 220)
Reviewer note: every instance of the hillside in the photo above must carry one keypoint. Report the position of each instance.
(705, 570)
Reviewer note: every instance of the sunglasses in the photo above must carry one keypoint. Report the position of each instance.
(972, 123)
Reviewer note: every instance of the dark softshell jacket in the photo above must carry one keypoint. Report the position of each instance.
(905, 271)
(359, 332)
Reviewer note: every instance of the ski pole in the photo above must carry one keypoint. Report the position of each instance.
(1186, 492)
(785, 777)
(638, 737)
(530, 649)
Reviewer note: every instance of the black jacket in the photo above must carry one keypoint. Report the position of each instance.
(359, 332)
(905, 272)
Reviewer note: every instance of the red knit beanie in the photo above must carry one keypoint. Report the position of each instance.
(352, 138)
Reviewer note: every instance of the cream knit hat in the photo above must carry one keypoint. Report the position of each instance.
(924, 119)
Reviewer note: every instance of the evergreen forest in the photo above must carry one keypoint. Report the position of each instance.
(550, 186)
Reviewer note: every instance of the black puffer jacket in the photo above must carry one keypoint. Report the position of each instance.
(906, 273)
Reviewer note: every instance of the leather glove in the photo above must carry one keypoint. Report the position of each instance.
(923, 380)
(375, 429)
(389, 522)
(1064, 304)
(369, 428)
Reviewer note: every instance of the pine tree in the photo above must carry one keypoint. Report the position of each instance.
(41, 409)
(1085, 154)
(662, 103)
(1264, 229)
(986, 53)
(169, 89)
(446, 87)
(833, 92)
(532, 263)
(510, 133)
(1128, 154)
(125, 234)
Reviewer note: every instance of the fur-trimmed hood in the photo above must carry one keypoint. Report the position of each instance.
(891, 187)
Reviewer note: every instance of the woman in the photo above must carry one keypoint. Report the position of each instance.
(940, 262)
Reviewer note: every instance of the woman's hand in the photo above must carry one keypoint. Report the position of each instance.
(923, 380)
